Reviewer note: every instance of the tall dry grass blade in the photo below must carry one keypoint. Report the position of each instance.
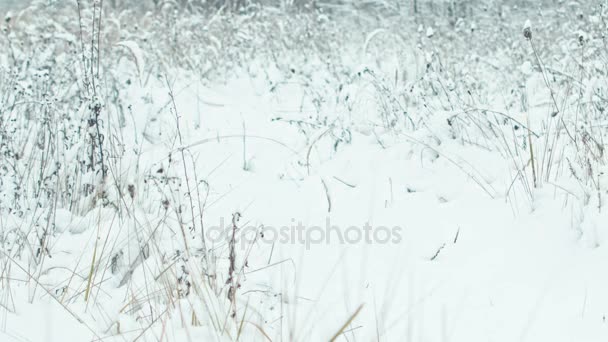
(347, 323)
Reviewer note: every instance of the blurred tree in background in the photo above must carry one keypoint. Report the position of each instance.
(444, 8)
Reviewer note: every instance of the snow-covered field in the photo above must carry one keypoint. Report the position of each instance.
(193, 173)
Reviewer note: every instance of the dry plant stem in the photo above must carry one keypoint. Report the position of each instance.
(532, 162)
(82, 49)
(556, 112)
(179, 134)
(91, 64)
(327, 195)
(99, 35)
(542, 70)
(240, 330)
(201, 207)
(238, 136)
(346, 324)
(240, 273)
(501, 114)
(312, 144)
(232, 281)
(92, 268)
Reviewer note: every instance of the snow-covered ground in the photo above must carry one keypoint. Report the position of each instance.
(366, 201)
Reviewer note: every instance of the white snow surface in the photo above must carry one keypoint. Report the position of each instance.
(470, 265)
